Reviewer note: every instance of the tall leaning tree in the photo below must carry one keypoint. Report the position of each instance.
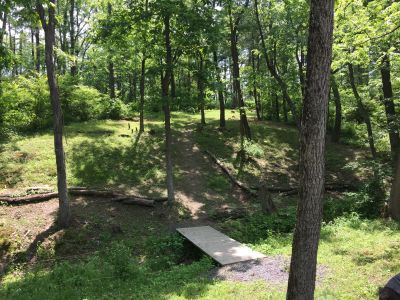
(312, 152)
(48, 20)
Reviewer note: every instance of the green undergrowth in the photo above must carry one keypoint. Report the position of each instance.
(357, 256)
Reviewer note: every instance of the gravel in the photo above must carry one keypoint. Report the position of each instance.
(273, 269)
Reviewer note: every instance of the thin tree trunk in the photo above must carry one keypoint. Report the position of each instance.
(285, 111)
(363, 110)
(220, 92)
(173, 85)
(49, 29)
(389, 105)
(4, 26)
(72, 36)
(166, 103)
(37, 47)
(277, 117)
(272, 68)
(200, 88)
(338, 111)
(111, 75)
(237, 90)
(141, 107)
(394, 202)
(312, 152)
(300, 64)
(255, 92)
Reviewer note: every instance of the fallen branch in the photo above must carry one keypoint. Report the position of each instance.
(230, 176)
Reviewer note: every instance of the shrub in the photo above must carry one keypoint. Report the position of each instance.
(164, 252)
(259, 226)
(85, 103)
(24, 104)
(368, 202)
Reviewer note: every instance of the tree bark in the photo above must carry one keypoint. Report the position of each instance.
(141, 106)
(363, 111)
(389, 105)
(338, 111)
(237, 90)
(312, 152)
(394, 202)
(49, 29)
(220, 92)
(272, 69)
(166, 105)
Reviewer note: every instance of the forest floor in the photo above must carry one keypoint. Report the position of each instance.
(89, 259)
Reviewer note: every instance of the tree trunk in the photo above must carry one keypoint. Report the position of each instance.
(272, 68)
(220, 92)
(237, 90)
(389, 105)
(394, 202)
(255, 92)
(285, 112)
(363, 111)
(49, 29)
(166, 105)
(173, 85)
(338, 112)
(37, 47)
(312, 152)
(277, 117)
(141, 106)
(200, 88)
(300, 64)
(4, 25)
(72, 36)
(111, 75)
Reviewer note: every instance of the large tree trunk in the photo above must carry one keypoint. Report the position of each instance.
(166, 105)
(200, 89)
(141, 106)
(220, 92)
(312, 152)
(363, 111)
(394, 202)
(272, 69)
(338, 112)
(237, 90)
(389, 105)
(49, 29)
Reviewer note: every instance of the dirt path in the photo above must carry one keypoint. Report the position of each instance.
(192, 187)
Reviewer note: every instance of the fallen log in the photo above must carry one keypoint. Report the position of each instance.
(80, 191)
(290, 190)
(28, 198)
(139, 201)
